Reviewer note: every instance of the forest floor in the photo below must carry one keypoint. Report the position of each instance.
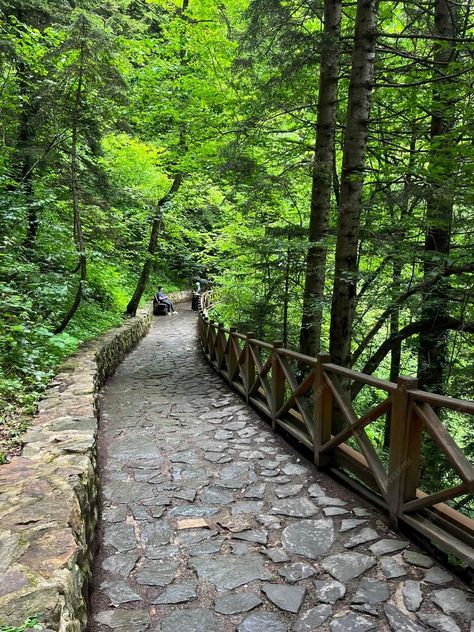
(212, 523)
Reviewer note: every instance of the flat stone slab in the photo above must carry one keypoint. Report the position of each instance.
(120, 563)
(412, 596)
(399, 621)
(439, 622)
(365, 535)
(454, 601)
(262, 622)
(298, 507)
(383, 547)
(191, 620)
(119, 592)
(233, 603)
(329, 591)
(311, 538)
(313, 618)
(371, 591)
(288, 598)
(231, 572)
(156, 573)
(137, 620)
(347, 566)
(353, 623)
(437, 575)
(418, 559)
(296, 571)
(284, 491)
(178, 593)
(391, 568)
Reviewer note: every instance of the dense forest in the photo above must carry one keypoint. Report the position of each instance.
(312, 158)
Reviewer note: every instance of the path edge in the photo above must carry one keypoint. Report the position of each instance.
(49, 500)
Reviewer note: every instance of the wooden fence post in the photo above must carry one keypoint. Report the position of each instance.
(220, 346)
(322, 411)
(277, 384)
(232, 361)
(404, 450)
(249, 366)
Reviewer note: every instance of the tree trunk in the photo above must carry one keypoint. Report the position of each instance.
(432, 351)
(310, 336)
(353, 165)
(132, 306)
(74, 187)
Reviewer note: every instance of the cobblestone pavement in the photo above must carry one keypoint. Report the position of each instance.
(212, 523)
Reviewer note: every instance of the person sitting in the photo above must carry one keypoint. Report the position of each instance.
(161, 298)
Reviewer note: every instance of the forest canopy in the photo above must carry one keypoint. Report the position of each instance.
(313, 159)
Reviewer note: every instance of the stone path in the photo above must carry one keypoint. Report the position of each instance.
(212, 523)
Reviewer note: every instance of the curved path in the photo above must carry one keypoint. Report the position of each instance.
(212, 523)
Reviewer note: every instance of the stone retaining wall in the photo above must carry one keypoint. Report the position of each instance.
(49, 494)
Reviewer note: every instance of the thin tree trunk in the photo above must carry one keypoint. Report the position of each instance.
(132, 306)
(310, 335)
(432, 351)
(134, 302)
(74, 187)
(353, 165)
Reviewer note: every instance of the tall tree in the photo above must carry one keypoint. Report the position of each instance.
(352, 178)
(433, 343)
(324, 158)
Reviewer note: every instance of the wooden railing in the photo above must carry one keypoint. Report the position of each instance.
(304, 396)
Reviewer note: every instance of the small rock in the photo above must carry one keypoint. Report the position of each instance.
(259, 536)
(288, 598)
(351, 523)
(284, 491)
(262, 622)
(454, 601)
(313, 618)
(120, 563)
(399, 621)
(229, 572)
(178, 593)
(119, 592)
(329, 590)
(366, 608)
(352, 623)
(136, 620)
(247, 506)
(391, 568)
(240, 548)
(316, 490)
(296, 571)
(383, 547)
(371, 591)
(347, 566)
(207, 547)
(418, 559)
(156, 573)
(412, 595)
(311, 538)
(295, 507)
(255, 491)
(191, 620)
(232, 603)
(293, 469)
(216, 496)
(437, 575)
(334, 511)
(439, 622)
(277, 555)
(366, 535)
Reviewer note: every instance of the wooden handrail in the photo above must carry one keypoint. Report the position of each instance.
(261, 372)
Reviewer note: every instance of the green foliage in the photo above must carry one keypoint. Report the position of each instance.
(31, 623)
